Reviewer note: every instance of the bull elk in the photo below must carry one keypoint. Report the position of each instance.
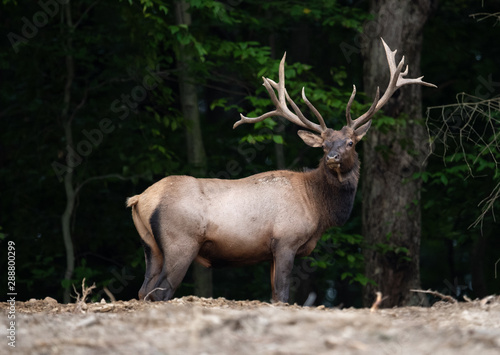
(272, 216)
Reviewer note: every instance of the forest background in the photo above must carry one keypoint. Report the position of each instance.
(91, 113)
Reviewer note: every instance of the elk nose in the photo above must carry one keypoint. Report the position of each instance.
(334, 157)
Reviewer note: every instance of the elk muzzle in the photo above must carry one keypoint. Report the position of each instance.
(333, 160)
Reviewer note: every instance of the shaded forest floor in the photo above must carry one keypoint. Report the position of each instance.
(192, 325)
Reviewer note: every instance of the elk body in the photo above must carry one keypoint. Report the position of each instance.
(273, 216)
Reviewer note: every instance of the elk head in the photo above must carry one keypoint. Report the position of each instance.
(338, 146)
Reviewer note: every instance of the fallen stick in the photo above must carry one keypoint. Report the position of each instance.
(377, 302)
(153, 290)
(486, 300)
(110, 295)
(437, 294)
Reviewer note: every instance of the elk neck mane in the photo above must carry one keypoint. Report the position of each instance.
(334, 197)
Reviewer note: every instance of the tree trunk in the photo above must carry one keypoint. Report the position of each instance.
(477, 266)
(196, 151)
(392, 155)
(68, 178)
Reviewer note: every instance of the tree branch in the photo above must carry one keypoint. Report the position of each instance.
(164, 74)
(79, 106)
(102, 177)
(458, 125)
(484, 15)
(435, 293)
(85, 13)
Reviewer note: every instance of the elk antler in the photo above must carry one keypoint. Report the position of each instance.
(396, 81)
(281, 107)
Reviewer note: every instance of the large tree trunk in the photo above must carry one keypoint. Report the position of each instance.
(392, 155)
(196, 151)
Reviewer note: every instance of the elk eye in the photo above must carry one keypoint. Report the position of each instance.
(350, 144)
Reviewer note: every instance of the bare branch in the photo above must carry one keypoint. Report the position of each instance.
(481, 16)
(80, 301)
(85, 13)
(435, 293)
(472, 120)
(102, 177)
(164, 74)
(488, 203)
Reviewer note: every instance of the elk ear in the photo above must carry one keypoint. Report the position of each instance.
(311, 139)
(361, 131)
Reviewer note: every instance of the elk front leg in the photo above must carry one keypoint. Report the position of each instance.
(281, 271)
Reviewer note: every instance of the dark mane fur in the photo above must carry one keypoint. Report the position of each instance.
(337, 197)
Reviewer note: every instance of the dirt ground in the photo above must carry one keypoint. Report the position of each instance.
(192, 325)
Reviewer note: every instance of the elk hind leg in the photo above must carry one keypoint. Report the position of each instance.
(177, 258)
(152, 255)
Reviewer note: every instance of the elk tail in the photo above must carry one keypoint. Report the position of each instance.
(132, 201)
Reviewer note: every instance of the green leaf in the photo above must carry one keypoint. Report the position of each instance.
(278, 139)
(222, 102)
(201, 50)
(66, 283)
(362, 279)
(164, 9)
(345, 275)
(174, 29)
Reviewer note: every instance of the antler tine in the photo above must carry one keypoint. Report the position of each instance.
(361, 120)
(281, 77)
(303, 121)
(276, 112)
(314, 110)
(281, 107)
(396, 81)
(298, 118)
(348, 108)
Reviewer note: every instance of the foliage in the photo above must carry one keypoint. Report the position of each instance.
(348, 255)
